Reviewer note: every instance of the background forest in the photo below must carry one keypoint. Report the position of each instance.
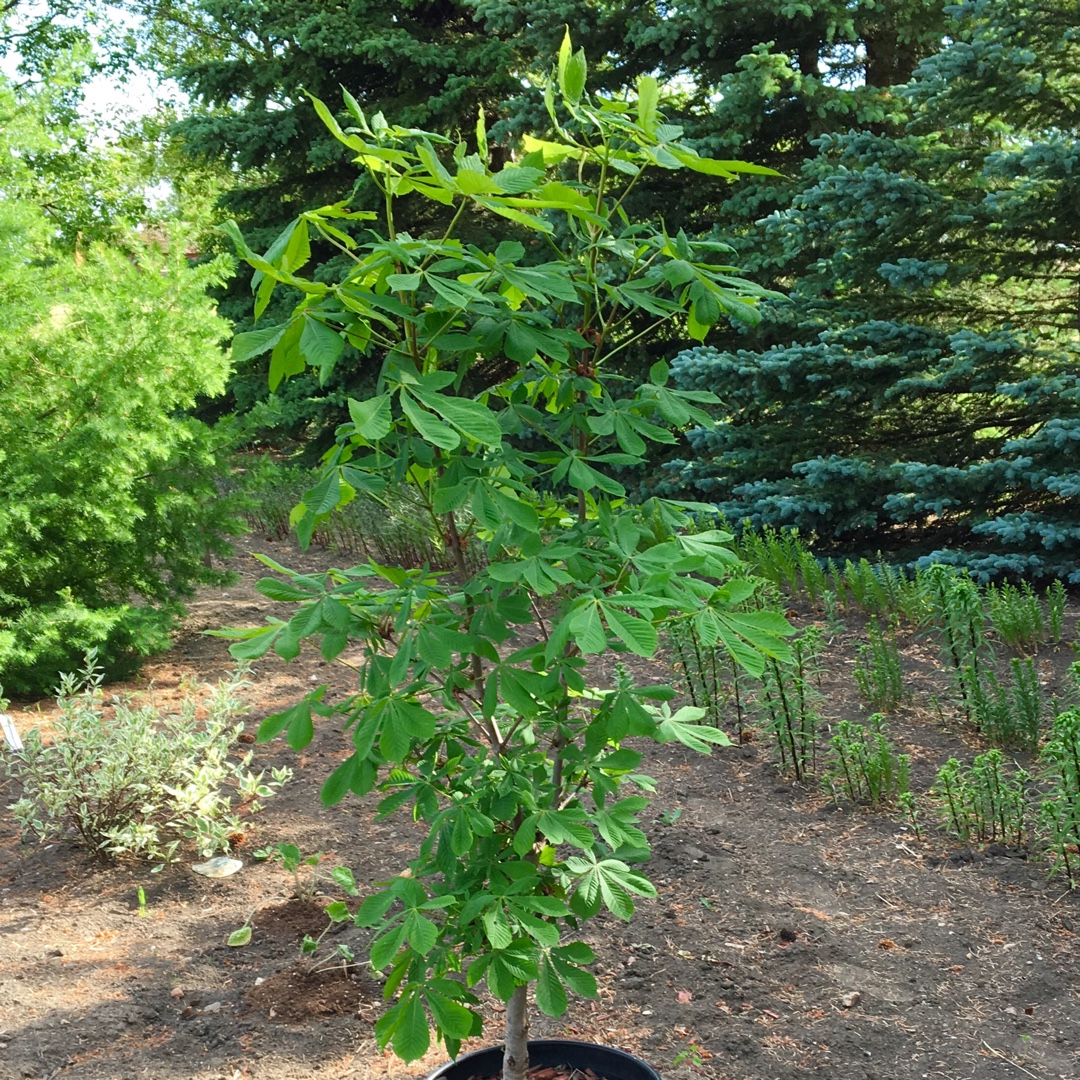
(912, 389)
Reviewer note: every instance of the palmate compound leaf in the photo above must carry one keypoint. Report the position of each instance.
(505, 969)
(609, 881)
(685, 726)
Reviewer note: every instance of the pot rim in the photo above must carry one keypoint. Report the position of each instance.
(615, 1055)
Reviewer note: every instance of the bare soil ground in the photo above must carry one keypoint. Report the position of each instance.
(791, 939)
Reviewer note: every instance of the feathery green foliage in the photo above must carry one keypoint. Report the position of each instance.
(109, 494)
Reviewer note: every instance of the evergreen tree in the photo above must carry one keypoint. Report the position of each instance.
(920, 394)
(249, 66)
(743, 80)
(110, 506)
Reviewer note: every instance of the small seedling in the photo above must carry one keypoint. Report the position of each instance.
(337, 912)
(142, 902)
(306, 880)
(692, 1054)
(669, 817)
(906, 801)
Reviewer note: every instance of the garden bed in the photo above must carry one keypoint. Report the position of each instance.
(793, 937)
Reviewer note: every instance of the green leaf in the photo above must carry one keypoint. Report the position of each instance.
(587, 630)
(335, 129)
(451, 1016)
(481, 135)
(239, 937)
(372, 417)
(621, 760)
(516, 180)
(472, 419)
(422, 932)
(411, 1037)
(320, 346)
(325, 495)
(685, 728)
(428, 427)
(550, 152)
(301, 728)
(256, 644)
(385, 947)
(567, 960)
(343, 878)
(254, 342)
(286, 358)
(542, 932)
(374, 908)
(566, 49)
(648, 98)
(339, 782)
(572, 82)
(461, 836)
(550, 996)
(637, 634)
(497, 930)
(297, 719)
(517, 510)
(274, 589)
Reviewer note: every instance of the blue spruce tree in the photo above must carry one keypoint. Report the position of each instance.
(918, 391)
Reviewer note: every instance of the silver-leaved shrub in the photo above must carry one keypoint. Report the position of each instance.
(124, 779)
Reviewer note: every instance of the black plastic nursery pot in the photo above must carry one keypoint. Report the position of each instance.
(605, 1062)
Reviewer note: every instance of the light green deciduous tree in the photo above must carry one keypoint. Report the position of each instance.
(496, 396)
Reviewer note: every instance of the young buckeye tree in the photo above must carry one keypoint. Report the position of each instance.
(496, 741)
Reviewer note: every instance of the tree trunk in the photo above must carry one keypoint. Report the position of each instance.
(516, 1056)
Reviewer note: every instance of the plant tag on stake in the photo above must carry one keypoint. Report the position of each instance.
(7, 725)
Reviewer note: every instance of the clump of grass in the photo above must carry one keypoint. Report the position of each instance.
(878, 671)
(1016, 614)
(1007, 714)
(862, 765)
